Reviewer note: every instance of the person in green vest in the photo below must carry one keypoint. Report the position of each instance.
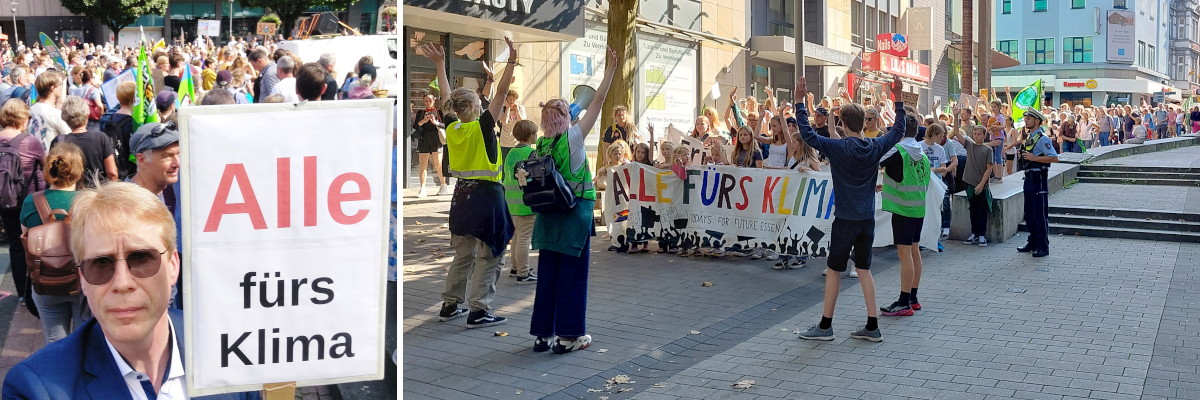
(524, 132)
(480, 226)
(905, 180)
(564, 239)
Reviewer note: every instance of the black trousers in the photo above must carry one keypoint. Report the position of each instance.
(978, 204)
(1037, 210)
(16, 250)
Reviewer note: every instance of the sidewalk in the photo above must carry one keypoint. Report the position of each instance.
(1099, 318)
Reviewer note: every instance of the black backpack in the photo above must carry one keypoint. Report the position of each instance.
(545, 189)
(12, 181)
(119, 132)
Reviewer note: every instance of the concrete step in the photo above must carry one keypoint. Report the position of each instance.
(1140, 181)
(1127, 168)
(1126, 213)
(1084, 173)
(1126, 223)
(1125, 233)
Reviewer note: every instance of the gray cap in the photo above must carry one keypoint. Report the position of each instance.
(1036, 114)
(153, 136)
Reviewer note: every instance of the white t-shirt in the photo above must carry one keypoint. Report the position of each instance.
(936, 154)
(955, 149)
(777, 156)
(287, 88)
(46, 123)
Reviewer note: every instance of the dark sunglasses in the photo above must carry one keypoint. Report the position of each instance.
(161, 128)
(101, 269)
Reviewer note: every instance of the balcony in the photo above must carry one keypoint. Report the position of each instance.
(1187, 44)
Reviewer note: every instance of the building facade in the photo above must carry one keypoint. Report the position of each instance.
(1086, 52)
(1185, 46)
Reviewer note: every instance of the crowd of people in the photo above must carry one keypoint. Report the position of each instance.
(969, 146)
(77, 149)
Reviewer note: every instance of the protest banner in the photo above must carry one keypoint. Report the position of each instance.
(735, 209)
(208, 27)
(285, 235)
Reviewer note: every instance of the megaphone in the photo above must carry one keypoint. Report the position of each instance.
(583, 95)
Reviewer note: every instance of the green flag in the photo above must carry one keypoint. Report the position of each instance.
(1028, 98)
(144, 109)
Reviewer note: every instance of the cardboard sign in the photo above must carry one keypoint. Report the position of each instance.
(909, 98)
(208, 27)
(266, 28)
(285, 235)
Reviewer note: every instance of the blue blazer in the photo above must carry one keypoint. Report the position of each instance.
(80, 367)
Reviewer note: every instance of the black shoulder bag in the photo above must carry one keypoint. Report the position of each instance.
(546, 191)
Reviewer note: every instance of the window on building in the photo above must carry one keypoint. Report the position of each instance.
(1039, 51)
(1076, 4)
(1008, 47)
(1006, 7)
(1119, 4)
(1039, 5)
(1077, 49)
(780, 17)
(1151, 59)
(856, 26)
(1141, 54)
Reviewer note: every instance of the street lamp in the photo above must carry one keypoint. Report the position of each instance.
(230, 20)
(16, 40)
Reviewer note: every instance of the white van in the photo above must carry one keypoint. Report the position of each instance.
(382, 48)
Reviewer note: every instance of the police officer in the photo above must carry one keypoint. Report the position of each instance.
(1036, 155)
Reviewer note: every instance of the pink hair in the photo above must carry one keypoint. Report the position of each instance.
(556, 118)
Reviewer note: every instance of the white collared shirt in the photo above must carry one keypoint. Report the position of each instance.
(171, 389)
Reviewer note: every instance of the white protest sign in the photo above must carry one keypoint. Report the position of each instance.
(110, 88)
(699, 150)
(285, 233)
(208, 27)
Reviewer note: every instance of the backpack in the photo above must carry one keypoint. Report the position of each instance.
(545, 189)
(12, 180)
(52, 269)
(107, 117)
(95, 111)
(119, 132)
(21, 92)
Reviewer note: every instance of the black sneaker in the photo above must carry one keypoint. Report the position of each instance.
(541, 344)
(451, 311)
(527, 278)
(483, 319)
(512, 272)
(897, 309)
(566, 346)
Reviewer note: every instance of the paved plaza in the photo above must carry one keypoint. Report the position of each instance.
(1097, 319)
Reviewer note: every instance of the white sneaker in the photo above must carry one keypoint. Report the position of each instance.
(421, 194)
(854, 273)
(445, 190)
(982, 241)
(971, 239)
(945, 232)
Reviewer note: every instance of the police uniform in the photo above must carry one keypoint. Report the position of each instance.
(1036, 190)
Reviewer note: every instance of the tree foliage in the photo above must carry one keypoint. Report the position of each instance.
(116, 14)
(290, 10)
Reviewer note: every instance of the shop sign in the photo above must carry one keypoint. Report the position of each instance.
(1090, 84)
(892, 43)
(882, 62)
(559, 16)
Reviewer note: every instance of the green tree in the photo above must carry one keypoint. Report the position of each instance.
(290, 10)
(116, 14)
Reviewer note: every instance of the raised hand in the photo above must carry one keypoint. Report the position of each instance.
(801, 88)
(487, 69)
(897, 86)
(733, 96)
(434, 52)
(512, 49)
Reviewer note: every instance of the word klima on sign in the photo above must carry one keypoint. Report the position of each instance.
(236, 174)
(728, 191)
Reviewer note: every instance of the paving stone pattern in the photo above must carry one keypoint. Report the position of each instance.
(1100, 319)
(1183, 157)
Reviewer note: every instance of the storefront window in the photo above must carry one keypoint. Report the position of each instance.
(760, 78)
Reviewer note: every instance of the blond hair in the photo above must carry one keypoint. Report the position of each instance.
(64, 164)
(466, 104)
(119, 206)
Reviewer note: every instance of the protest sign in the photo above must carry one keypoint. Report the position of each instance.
(208, 27)
(677, 137)
(285, 235)
(110, 88)
(734, 209)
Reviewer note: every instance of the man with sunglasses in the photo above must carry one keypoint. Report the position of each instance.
(123, 239)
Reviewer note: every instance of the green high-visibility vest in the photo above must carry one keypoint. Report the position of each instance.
(468, 153)
(907, 197)
(581, 180)
(513, 194)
